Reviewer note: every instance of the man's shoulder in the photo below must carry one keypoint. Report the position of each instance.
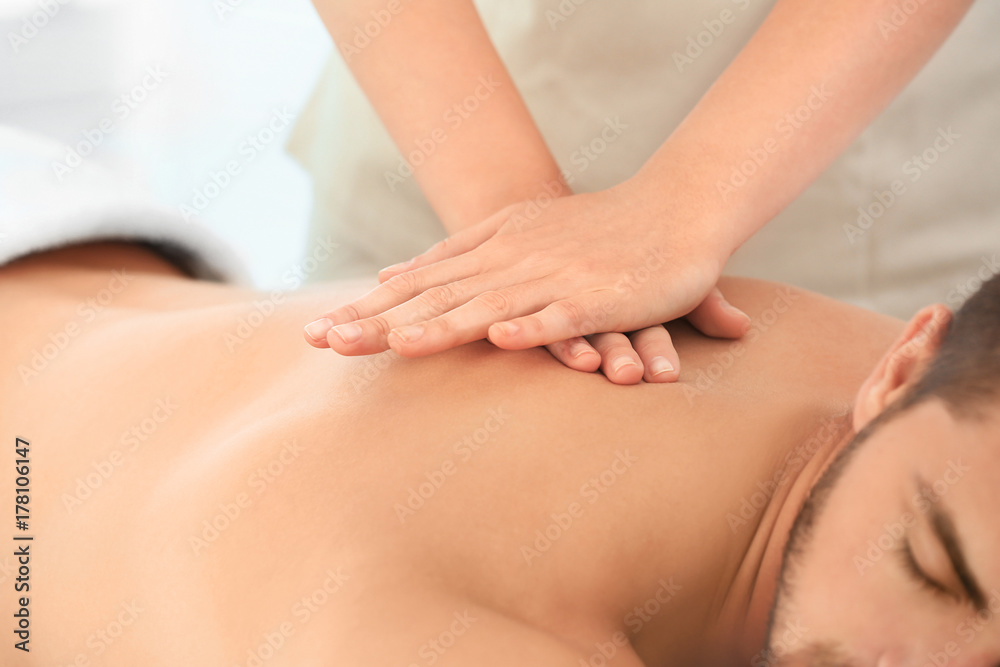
(799, 338)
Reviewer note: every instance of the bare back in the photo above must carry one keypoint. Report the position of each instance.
(208, 489)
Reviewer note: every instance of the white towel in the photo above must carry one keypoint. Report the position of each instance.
(43, 207)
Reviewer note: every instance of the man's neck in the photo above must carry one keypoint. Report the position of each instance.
(743, 623)
(725, 584)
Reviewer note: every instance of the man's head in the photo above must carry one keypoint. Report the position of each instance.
(895, 557)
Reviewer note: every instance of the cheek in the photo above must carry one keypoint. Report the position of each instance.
(846, 591)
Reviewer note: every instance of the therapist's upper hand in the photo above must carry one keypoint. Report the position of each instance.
(547, 272)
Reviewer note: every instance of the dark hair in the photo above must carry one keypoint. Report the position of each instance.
(965, 373)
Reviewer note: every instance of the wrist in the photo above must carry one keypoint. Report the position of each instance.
(540, 190)
(686, 207)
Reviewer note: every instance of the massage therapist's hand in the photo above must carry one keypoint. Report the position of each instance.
(548, 272)
(633, 256)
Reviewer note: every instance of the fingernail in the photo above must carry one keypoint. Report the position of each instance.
(734, 310)
(410, 334)
(747, 322)
(578, 350)
(621, 363)
(660, 365)
(317, 330)
(349, 333)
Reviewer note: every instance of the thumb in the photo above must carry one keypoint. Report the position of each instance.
(717, 318)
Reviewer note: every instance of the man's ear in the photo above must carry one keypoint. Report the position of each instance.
(903, 364)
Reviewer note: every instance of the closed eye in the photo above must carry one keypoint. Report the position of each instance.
(919, 576)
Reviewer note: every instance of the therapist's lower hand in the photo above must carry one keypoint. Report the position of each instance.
(648, 354)
(548, 272)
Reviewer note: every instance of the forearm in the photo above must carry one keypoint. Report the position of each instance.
(440, 88)
(806, 85)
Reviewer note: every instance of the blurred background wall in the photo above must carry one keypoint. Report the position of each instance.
(168, 93)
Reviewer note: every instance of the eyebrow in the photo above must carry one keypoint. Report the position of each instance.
(943, 524)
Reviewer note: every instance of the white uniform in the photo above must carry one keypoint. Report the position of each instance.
(909, 214)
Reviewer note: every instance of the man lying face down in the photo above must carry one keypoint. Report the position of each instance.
(206, 489)
(920, 477)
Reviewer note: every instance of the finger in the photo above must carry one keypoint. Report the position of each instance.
(315, 333)
(456, 244)
(389, 294)
(471, 320)
(717, 318)
(657, 354)
(576, 353)
(619, 360)
(371, 334)
(566, 318)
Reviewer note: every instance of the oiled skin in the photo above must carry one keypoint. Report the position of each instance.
(346, 440)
